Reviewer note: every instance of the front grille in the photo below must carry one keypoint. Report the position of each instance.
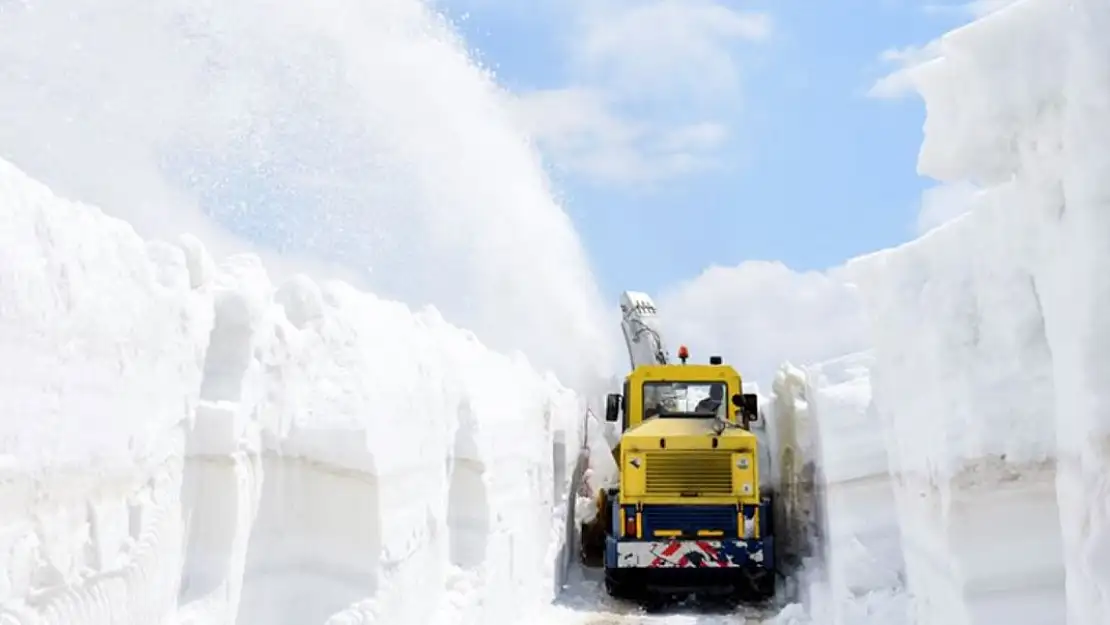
(688, 473)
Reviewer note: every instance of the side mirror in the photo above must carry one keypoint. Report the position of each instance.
(612, 407)
(748, 403)
(751, 405)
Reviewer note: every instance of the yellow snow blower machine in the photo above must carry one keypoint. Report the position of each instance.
(688, 515)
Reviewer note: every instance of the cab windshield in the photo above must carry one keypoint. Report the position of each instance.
(697, 400)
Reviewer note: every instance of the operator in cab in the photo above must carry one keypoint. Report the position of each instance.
(713, 403)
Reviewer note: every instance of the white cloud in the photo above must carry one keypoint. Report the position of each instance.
(979, 8)
(580, 129)
(912, 55)
(706, 136)
(899, 83)
(759, 314)
(652, 87)
(665, 47)
(975, 8)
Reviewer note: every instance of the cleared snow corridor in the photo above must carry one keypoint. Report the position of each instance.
(198, 438)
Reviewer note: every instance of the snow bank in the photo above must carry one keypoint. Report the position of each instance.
(846, 528)
(839, 534)
(187, 442)
(989, 331)
(102, 340)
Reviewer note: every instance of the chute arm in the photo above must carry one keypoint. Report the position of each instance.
(640, 325)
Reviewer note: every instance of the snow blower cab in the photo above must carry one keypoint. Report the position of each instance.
(687, 515)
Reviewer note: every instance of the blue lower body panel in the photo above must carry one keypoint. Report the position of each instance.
(672, 558)
(716, 553)
(735, 567)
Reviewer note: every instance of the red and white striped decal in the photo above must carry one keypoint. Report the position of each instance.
(668, 551)
(672, 554)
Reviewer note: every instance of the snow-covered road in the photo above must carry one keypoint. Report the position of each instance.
(583, 601)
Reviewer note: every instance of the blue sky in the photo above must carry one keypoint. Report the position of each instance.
(686, 134)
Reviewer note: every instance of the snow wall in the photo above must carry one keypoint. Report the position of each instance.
(985, 395)
(835, 487)
(990, 337)
(187, 442)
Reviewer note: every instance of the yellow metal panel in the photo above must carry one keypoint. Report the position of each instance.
(639, 524)
(637, 442)
(679, 500)
(745, 476)
(702, 428)
(632, 478)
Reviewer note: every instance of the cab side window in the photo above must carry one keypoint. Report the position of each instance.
(624, 407)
